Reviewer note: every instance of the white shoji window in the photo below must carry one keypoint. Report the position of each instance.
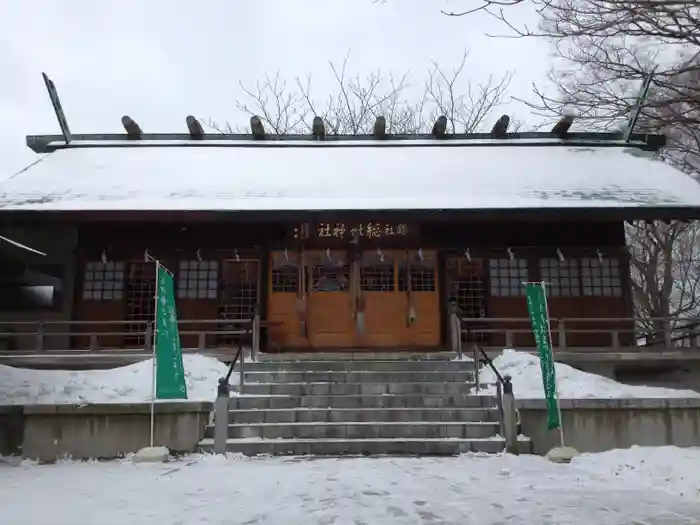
(103, 281)
(601, 277)
(198, 280)
(507, 276)
(562, 278)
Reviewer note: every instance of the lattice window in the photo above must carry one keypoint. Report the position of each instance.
(329, 272)
(198, 280)
(466, 287)
(140, 299)
(562, 278)
(507, 277)
(285, 272)
(601, 277)
(103, 281)
(377, 272)
(421, 268)
(239, 293)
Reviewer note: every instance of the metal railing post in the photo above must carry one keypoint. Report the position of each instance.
(255, 339)
(221, 415)
(510, 340)
(615, 335)
(477, 366)
(499, 400)
(40, 337)
(668, 334)
(455, 330)
(148, 334)
(241, 372)
(562, 334)
(458, 333)
(510, 417)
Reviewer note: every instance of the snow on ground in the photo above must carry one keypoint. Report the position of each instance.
(636, 486)
(133, 383)
(525, 371)
(128, 384)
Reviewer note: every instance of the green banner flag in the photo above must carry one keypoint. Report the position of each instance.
(170, 371)
(537, 307)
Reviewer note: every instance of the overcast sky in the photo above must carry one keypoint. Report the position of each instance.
(160, 60)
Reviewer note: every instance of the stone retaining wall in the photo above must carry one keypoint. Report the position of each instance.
(48, 432)
(101, 431)
(596, 425)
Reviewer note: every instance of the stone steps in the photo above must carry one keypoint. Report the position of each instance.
(374, 447)
(262, 402)
(350, 415)
(365, 430)
(358, 366)
(354, 356)
(369, 376)
(323, 406)
(358, 389)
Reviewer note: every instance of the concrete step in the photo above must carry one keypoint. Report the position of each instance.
(366, 365)
(374, 447)
(360, 430)
(361, 355)
(251, 402)
(349, 389)
(349, 415)
(353, 376)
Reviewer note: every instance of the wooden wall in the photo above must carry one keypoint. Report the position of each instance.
(172, 243)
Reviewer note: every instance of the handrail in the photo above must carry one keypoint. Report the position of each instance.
(254, 325)
(503, 383)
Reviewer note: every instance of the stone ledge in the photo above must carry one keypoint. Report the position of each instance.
(168, 407)
(612, 404)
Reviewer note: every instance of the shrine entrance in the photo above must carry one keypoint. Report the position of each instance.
(353, 298)
(329, 309)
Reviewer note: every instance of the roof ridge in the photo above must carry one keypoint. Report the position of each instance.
(46, 143)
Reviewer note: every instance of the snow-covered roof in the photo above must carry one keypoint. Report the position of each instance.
(360, 175)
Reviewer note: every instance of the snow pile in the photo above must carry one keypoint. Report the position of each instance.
(524, 369)
(128, 384)
(669, 468)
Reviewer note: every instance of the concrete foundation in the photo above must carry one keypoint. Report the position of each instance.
(107, 431)
(596, 425)
(11, 430)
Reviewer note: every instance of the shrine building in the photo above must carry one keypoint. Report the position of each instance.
(359, 243)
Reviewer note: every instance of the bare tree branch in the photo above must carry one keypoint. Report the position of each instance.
(604, 50)
(357, 100)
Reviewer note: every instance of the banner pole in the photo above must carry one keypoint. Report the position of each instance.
(153, 370)
(551, 349)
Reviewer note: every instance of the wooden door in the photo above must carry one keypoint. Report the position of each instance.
(101, 298)
(381, 303)
(140, 301)
(240, 293)
(198, 299)
(466, 288)
(286, 301)
(418, 278)
(329, 303)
